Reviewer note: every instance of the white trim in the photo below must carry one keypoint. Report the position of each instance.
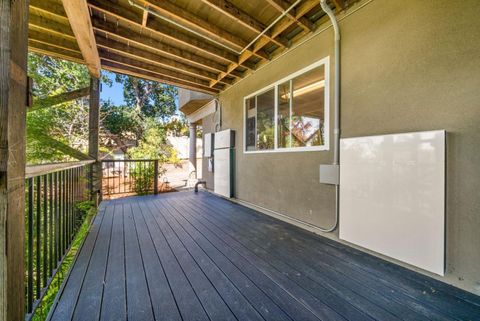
(326, 111)
(202, 112)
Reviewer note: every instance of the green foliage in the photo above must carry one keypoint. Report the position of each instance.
(177, 127)
(143, 175)
(150, 98)
(122, 121)
(54, 76)
(266, 131)
(149, 107)
(87, 213)
(153, 144)
(66, 122)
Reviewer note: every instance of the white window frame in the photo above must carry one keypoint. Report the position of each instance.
(326, 126)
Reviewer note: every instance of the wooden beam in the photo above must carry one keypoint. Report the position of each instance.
(340, 4)
(47, 25)
(45, 49)
(145, 18)
(129, 36)
(282, 5)
(126, 70)
(93, 139)
(128, 17)
(281, 26)
(238, 15)
(52, 7)
(13, 93)
(58, 99)
(161, 72)
(79, 18)
(53, 40)
(193, 21)
(151, 58)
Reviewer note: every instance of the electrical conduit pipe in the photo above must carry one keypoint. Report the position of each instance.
(336, 128)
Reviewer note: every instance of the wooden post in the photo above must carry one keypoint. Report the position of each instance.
(93, 124)
(13, 96)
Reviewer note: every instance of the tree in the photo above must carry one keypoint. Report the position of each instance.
(52, 130)
(147, 103)
(60, 132)
(148, 98)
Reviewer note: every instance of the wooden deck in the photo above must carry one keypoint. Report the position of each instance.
(198, 257)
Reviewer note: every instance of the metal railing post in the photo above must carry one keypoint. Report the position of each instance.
(155, 179)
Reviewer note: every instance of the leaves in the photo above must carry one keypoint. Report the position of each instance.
(55, 133)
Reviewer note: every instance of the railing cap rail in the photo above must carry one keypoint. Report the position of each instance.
(42, 169)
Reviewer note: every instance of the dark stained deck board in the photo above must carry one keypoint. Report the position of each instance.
(208, 295)
(318, 290)
(300, 267)
(253, 294)
(164, 305)
(453, 308)
(279, 287)
(64, 306)
(114, 303)
(139, 305)
(238, 304)
(91, 293)
(187, 301)
(186, 256)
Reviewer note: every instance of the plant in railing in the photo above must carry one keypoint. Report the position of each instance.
(153, 146)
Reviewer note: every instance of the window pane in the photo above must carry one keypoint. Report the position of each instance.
(283, 127)
(250, 117)
(266, 120)
(308, 108)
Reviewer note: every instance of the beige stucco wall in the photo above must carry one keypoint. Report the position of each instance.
(208, 126)
(406, 66)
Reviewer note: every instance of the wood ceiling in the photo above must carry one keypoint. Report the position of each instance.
(195, 44)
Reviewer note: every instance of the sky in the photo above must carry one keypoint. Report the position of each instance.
(115, 92)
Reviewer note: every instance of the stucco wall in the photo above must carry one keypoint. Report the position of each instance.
(406, 66)
(207, 127)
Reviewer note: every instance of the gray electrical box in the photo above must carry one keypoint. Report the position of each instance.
(208, 144)
(330, 174)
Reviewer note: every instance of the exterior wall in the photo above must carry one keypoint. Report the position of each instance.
(208, 126)
(406, 66)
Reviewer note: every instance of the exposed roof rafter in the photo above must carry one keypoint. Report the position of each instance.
(79, 18)
(282, 5)
(230, 10)
(192, 21)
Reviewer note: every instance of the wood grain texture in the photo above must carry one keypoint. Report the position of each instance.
(79, 18)
(93, 136)
(13, 92)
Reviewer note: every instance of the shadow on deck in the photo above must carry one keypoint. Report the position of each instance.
(198, 257)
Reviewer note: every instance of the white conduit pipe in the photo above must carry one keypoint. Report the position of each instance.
(336, 128)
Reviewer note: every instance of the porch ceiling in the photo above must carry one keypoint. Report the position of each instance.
(138, 42)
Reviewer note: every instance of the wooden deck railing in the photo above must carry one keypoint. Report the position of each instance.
(53, 192)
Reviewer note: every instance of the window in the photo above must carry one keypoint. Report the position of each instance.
(260, 121)
(290, 115)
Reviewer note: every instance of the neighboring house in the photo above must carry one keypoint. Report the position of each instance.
(182, 145)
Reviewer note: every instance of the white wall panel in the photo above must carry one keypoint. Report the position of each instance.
(392, 196)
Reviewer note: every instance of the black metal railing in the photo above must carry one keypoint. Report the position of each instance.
(52, 220)
(130, 176)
